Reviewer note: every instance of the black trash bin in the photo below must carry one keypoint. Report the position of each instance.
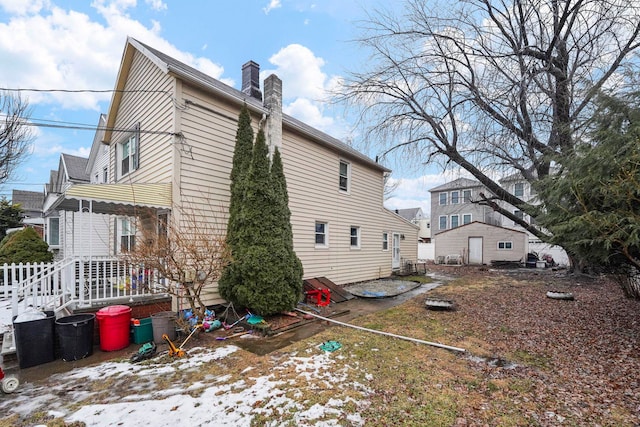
(75, 336)
(34, 340)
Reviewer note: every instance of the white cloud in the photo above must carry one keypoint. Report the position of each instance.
(305, 88)
(273, 4)
(23, 7)
(65, 49)
(156, 4)
(301, 70)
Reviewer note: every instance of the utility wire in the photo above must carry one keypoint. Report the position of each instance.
(7, 89)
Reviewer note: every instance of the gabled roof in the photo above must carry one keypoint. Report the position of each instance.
(170, 65)
(408, 214)
(28, 200)
(457, 184)
(484, 224)
(97, 143)
(74, 167)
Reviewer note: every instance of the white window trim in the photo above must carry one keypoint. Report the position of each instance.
(348, 177)
(470, 218)
(131, 232)
(451, 220)
(465, 200)
(451, 197)
(48, 235)
(505, 243)
(515, 189)
(358, 237)
(134, 156)
(440, 199)
(446, 222)
(385, 241)
(326, 235)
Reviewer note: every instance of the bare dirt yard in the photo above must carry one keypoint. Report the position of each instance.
(530, 361)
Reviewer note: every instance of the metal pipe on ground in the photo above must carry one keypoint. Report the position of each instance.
(416, 340)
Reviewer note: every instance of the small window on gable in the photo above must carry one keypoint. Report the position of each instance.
(321, 234)
(442, 199)
(505, 246)
(355, 237)
(345, 175)
(518, 189)
(385, 241)
(455, 197)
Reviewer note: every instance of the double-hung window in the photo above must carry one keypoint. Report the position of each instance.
(442, 222)
(322, 230)
(385, 241)
(466, 196)
(129, 153)
(466, 219)
(442, 199)
(455, 221)
(518, 189)
(455, 197)
(355, 237)
(345, 175)
(127, 235)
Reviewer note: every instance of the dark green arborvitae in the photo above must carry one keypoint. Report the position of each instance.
(24, 246)
(241, 161)
(10, 216)
(292, 264)
(267, 274)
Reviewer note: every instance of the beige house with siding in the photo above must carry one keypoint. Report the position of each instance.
(480, 243)
(170, 132)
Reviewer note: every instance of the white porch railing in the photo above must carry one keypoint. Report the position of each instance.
(76, 282)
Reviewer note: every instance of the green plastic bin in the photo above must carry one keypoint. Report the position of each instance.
(142, 333)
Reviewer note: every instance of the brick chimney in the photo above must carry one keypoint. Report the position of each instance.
(251, 80)
(273, 103)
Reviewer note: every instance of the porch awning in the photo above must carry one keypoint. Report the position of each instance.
(117, 199)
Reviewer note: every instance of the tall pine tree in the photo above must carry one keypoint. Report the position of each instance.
(241, 161)
(267, 275)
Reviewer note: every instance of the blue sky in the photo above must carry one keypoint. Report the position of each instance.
(75, 45)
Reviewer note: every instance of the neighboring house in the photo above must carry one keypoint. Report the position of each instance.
(417, 217)
(452, 205)
(171, 134)
(479, 243)
(78, 232)
(32, 204)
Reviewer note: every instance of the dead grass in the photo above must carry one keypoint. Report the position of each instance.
(561, 363)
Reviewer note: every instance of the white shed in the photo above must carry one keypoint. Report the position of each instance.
(480, 243)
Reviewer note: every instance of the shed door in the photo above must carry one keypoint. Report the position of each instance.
(395, 263)
(475, 250)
